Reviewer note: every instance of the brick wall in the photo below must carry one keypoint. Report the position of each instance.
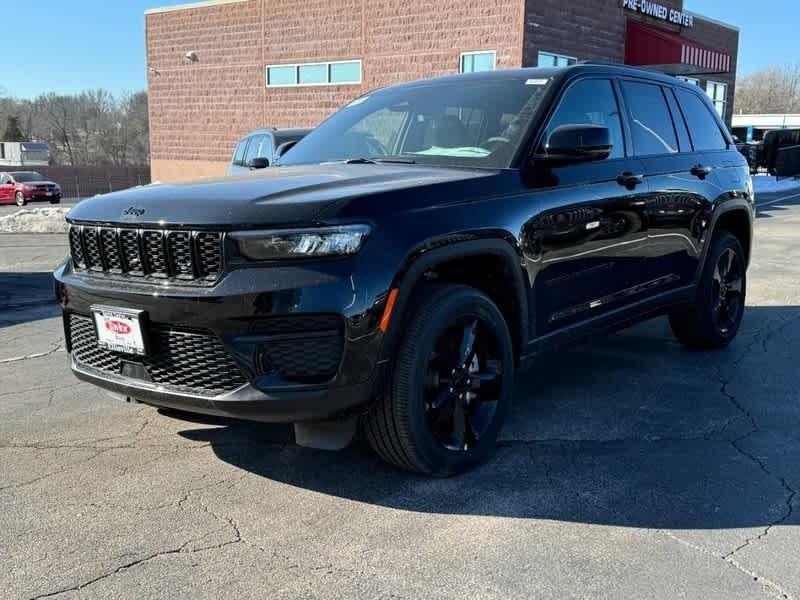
(587, 30)
(198, 110)
(715, 36)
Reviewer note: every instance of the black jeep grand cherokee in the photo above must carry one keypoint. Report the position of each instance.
(409, 254)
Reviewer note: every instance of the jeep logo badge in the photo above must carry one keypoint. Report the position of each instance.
(134, 212)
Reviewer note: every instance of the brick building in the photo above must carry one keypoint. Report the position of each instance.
(219, 68)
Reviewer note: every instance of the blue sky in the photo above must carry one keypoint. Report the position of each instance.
(70, 45)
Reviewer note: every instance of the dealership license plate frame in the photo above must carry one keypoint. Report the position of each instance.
(136, 319)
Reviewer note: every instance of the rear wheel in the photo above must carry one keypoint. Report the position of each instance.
(450, 388)
(714, 319)
(19, 199)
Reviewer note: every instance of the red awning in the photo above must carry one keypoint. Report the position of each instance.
(670, 52)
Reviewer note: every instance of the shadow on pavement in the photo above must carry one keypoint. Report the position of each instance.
(629, 430)
(775, 202)
(26, 297)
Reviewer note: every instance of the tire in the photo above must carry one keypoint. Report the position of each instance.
(19, 199)
(55, 201)
(409, 425)
(714, 319)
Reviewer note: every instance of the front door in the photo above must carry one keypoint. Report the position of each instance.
(584, 249)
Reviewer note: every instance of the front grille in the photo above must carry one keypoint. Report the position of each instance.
(148, 254)
(182, 360)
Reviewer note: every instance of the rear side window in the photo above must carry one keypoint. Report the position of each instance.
(651, 123)
(590, 102)
(238, 154)
(701, 122)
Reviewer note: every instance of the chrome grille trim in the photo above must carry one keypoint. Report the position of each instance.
(158, 255)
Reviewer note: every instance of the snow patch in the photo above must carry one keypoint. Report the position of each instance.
(35, 220)
(766, 184)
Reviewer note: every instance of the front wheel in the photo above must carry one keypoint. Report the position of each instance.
(714, 319)
(55, 201)
(19, 199)
(450, 388)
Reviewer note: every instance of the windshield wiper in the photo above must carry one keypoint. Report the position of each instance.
(374, 161)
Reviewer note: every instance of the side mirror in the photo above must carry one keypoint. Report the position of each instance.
(258, 163)
(576, 143)
(284, 148)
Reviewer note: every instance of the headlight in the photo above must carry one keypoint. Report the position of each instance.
(301, 243)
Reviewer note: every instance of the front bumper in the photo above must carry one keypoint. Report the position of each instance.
(43, 197)
(248, 402)
(232, 312)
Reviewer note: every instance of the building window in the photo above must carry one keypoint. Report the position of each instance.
(345, 72)
(325, 73)
(719, 94)
(472, 62)
(312, 74)
(282, 75)
(548, 59)
(691, 80)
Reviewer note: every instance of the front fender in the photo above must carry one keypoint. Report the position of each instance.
(418, 262)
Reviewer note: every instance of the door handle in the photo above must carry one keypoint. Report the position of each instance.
(630, 180)
(700, 171)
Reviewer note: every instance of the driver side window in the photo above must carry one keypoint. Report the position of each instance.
(590, 102)
(4, 179)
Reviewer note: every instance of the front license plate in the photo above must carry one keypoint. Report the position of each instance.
(119, 329)
(48, 193)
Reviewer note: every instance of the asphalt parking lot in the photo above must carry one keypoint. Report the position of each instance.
(629, 468)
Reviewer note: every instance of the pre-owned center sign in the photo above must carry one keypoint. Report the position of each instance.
(659, 11)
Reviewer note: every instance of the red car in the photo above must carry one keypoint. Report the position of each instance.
(22, 187)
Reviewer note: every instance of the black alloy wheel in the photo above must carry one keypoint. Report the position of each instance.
(451, 383)
(728, 289)
(462, 384)
(713, 320)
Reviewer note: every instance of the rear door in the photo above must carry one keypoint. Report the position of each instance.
(679, 179)
(711, 146)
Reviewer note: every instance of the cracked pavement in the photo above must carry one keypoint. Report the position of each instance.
(628, 468)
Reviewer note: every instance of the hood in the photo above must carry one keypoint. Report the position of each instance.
(272, 196)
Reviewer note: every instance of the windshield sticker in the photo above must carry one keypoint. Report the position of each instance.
(536, 81)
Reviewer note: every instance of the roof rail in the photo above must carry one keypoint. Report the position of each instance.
(601, 62)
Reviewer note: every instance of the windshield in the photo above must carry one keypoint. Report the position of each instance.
(476, 122)
(23, 176)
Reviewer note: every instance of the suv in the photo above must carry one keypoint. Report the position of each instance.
(21, 187)
(262, 147)
(407, 256)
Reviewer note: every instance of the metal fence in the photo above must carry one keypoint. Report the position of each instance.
(82, 182)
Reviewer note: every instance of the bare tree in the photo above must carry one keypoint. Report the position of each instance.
(89, 128)
(773, 90)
